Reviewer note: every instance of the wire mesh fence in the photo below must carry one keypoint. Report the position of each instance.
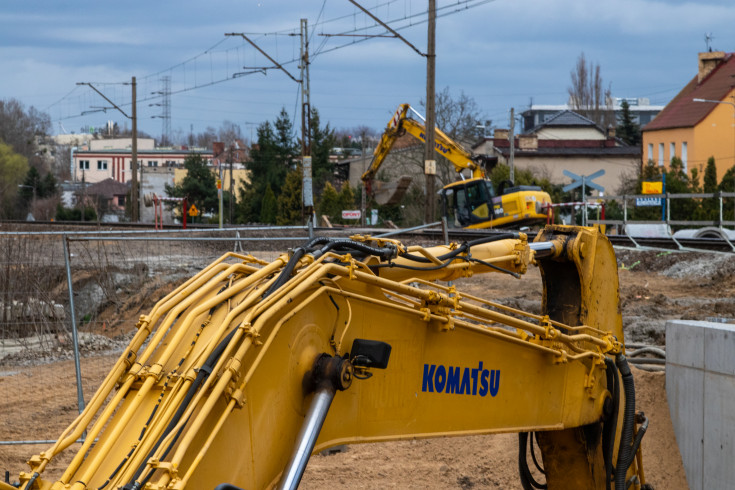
(115, 278)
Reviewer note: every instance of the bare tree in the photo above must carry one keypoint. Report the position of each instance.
(587, 95)
(459, 117)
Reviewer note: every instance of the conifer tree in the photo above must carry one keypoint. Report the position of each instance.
(289, 200)
(269, 207)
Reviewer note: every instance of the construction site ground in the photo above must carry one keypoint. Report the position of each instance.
(654, 287)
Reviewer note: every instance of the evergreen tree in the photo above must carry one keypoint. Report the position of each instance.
(199, 186)
(269, 207)
(627, 129)
(329, 204)
(322, 142)
(289, 201)
(270, 161)
(727, 184)
(710, 206)
(677, 182)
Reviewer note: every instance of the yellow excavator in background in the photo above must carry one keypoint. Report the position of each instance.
(241, 373)
(467, 203)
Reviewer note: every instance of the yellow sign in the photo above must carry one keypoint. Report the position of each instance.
(193, 211)
(652, 187)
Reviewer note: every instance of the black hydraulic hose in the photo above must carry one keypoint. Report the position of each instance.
(462, 248)
(527, 480)
(384, 253)
(202, 375)
(626, 437)
(610, 425)
(639, 436)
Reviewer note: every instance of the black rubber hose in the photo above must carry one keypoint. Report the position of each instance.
(202, 375)
(626, 437)
(527, 480)
(462, 248)
(610, 425)
(384, 253)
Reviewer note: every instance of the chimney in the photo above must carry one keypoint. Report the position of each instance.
(500, 134)
(708, 62)
(528, 142)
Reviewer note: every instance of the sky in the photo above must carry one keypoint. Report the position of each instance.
(503, 54)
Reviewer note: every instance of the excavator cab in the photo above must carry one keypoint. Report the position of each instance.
(469, 202)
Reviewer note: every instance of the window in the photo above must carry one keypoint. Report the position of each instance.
(660, 154)
(650, 151)
(83, 164)
(672, 150)
(101, 164)
(684, 154)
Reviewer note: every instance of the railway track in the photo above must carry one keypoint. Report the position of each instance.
(434, 234)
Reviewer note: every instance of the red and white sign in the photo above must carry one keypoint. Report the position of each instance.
(351, 214)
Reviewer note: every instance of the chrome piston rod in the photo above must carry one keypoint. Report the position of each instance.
(307, 436)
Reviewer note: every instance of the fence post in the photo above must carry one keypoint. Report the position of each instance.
(75, 336)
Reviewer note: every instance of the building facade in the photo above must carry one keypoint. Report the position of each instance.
(699, 122)
(566, 141)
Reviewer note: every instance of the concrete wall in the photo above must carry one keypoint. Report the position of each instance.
(700, 387)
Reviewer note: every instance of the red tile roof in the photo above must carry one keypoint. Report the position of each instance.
(682, 112)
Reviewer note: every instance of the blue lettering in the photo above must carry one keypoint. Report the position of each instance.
(460, 380)
(466, 386)
(475, 373)
(494, 382)
(428, 384)
(440, 379)
(453, 380)
(483, 382)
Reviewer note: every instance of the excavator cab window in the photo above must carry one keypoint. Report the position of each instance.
(468, 203)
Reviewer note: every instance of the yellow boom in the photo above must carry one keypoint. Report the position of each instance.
(246, 369)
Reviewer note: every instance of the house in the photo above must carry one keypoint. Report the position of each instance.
(639, 108)
(107, 197)
(566, 141)
(700, 121)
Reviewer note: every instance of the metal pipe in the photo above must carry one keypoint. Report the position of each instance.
(74, 334)
(308, 435)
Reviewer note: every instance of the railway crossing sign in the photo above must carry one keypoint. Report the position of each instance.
(583, 181)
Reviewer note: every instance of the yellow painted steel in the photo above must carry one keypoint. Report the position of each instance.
(460, 364)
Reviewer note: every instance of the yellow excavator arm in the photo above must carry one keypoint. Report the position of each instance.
(401, 123)
(236, 377)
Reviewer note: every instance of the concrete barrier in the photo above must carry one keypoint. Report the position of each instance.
(700, 387)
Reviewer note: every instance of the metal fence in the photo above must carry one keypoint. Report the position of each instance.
(69, 302)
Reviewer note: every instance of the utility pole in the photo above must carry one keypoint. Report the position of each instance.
(134, 163)
(363, 197)
(134, 204)
(307, 191)
(512, 138)
(429, 159)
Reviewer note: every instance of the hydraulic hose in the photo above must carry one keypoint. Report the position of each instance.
(610, 425)
(626, 437)
(464, 247)
(527, 480)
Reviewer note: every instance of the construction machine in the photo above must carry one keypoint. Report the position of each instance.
(242, 372)
(472, 202)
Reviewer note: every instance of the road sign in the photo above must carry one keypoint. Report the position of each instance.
(647, 201)
(583, 180)
(653, 187)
